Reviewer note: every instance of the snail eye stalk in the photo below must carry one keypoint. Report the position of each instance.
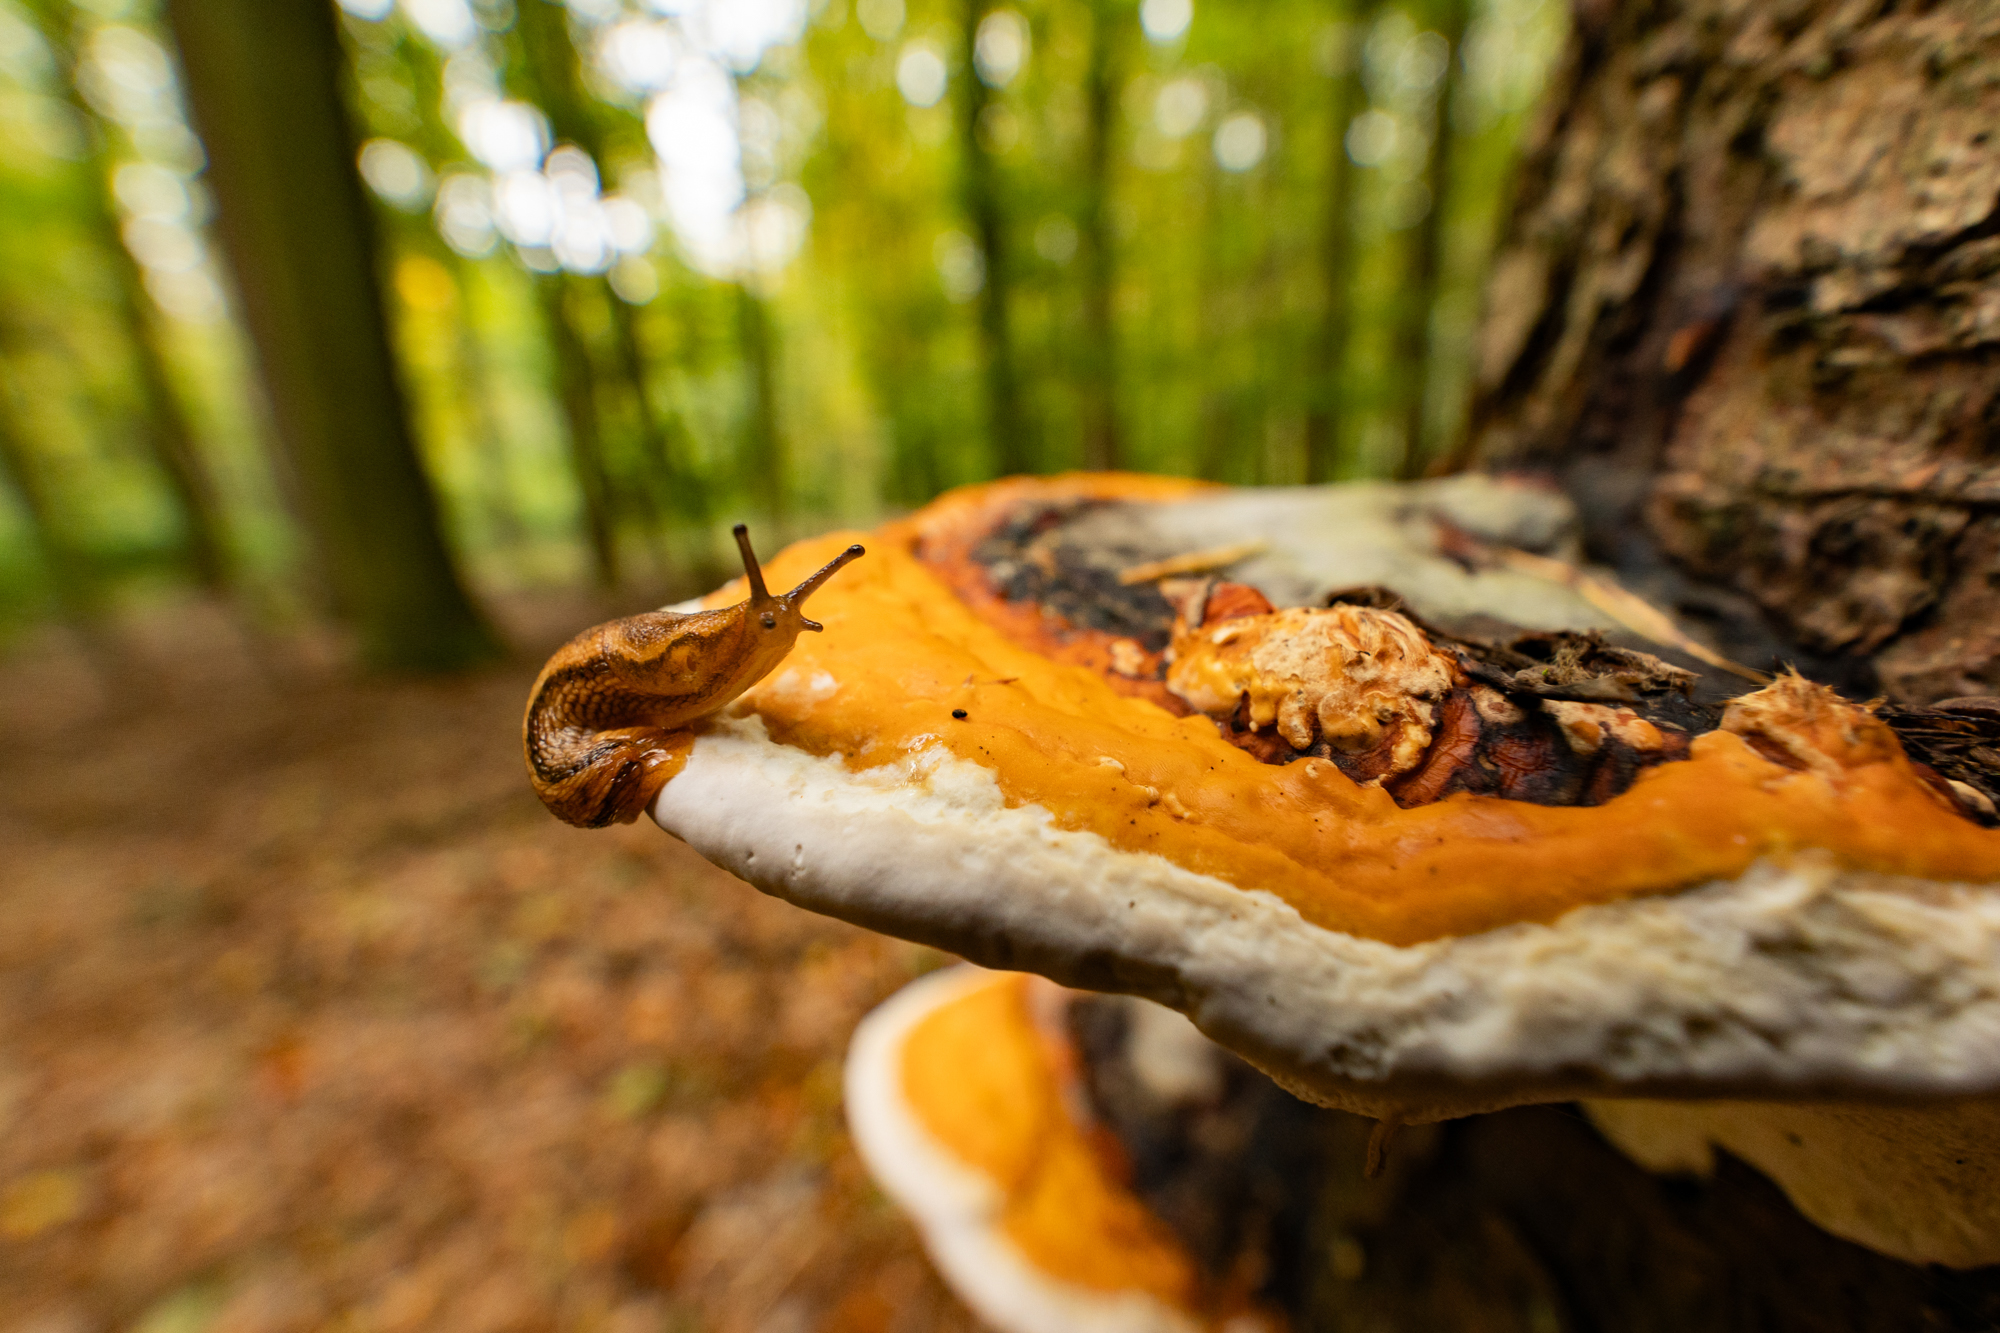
(751, 569)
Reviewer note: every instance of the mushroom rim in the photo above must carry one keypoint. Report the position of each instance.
(900, 643)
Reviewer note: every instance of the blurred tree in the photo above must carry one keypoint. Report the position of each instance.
(1414, 349)
(263, 83)
(985, 208)
(671, 486)
(548, 73)
(473, 380)
(1147, 245)
(473, 385)
(763, 465)
(163, 425)
(576, 391)
(1340, 240)
(763, 461)
(1098, 353)
(69, 575)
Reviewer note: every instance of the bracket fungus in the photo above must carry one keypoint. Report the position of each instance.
(965, 1099)
(1418, 826)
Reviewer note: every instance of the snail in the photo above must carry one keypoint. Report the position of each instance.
(607, 719)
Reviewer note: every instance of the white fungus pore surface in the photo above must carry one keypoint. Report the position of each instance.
(1792, 980)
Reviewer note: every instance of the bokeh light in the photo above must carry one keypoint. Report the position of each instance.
(880, 19)
(1166, 20)
(1000, 48)
(395, 172)
(1240, 141)
(503, 135)
(638, 54)
(464, 213)
(449, 23)
(921, 74)
(961, 266)
(1181, 107)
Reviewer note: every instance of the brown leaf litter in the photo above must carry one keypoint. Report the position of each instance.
(312, 1018)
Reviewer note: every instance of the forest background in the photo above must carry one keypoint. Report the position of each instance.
(444, 323)
(646, 268)
(448, 322)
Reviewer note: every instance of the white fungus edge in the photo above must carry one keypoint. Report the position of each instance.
(957, 1209)
(1789, 980)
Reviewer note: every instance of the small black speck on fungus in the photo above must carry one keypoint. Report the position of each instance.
(958, 713)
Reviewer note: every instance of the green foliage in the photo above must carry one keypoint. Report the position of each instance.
(836, 369)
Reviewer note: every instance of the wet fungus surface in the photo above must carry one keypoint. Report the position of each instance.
(1422, 709)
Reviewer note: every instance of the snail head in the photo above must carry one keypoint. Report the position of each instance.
(767, 612)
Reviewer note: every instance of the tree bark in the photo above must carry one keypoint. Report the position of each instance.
(1747, 311)
(263, 81)
(1745, 308)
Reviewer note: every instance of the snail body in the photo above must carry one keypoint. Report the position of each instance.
(607, 720)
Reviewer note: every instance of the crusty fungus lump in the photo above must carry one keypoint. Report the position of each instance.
(1420, 833)
(1369, 690)
(1363, 680)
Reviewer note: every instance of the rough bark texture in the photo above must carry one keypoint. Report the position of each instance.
(1748, 305)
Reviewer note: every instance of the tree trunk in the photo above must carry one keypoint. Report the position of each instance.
(551, 76)
(1098, 252)
(985, 212)
(163, 425)
(1744, 308)
(576, 394)
(1522, 1221)
(473, 380)
(763, 441)
(1414, 352)
(669, 483)
(76, 592)
(1339, 243)
(1744, 312)
(263, 81)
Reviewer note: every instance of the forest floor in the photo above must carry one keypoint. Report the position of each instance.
(311, 1018)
